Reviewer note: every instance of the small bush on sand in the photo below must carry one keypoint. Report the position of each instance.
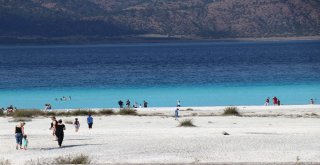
(51, 113)
(78, 159)
(82, 112)
(62, 113)
(231, 111)
(186, 123)
(127, 112)
(68, 121)
(19, 119)
(5, 162)
(1, 112)
(27, 113)
(106, 112)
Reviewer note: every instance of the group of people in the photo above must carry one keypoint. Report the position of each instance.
(135, 105)
(58, 127)
(276, 101)
(9, 109)
(47, 107)
(20, 136)
(64, 98)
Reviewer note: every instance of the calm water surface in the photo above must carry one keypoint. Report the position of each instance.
(198, 74)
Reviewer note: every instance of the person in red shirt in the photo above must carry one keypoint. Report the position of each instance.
(275, 100)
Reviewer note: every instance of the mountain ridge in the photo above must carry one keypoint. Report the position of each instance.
(192, 19)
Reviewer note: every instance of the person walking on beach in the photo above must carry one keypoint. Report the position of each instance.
(90, 121)
(19, 131)
(267, 101)
(60, 132)
(145, 104)
(54, 124)
(275, 100)
(76, 124)
(120, 102)
(178, 103)
(176, 114)
(135, 105)
(25, 142)
(279, 102)
(311, 101)
(128, 103)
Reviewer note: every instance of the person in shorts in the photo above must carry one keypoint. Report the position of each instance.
(90, 121)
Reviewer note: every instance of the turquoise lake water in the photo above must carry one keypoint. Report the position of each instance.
(198, 74)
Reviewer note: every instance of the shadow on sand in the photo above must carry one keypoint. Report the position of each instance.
(66, 146)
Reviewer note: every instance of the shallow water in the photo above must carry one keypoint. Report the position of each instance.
(198, 74)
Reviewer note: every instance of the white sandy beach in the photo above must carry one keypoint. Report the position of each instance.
(285, 134)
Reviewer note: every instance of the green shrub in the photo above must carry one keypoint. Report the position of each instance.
(27, 113)
(79, 159)
(228, 111)
(51, 113)
(106, 112)
(82, 112)
(5, 162)
(1, 112)
(62, 113)
(127, 111)
(186, 123)
(68, 121)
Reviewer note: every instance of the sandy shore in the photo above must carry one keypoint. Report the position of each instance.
(285, 134)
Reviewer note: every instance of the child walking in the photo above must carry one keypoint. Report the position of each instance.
(76, 124)
(25, 142)
(176, 114)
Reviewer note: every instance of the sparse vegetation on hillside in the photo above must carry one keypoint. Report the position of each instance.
(198, 18)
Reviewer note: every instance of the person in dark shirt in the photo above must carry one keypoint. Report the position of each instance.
(145, 104)
(120, 104)
(19, 131)
(128, 103)
(60, 132)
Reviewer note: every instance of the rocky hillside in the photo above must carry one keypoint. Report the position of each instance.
(179, 18)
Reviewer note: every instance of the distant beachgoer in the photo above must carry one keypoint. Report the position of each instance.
(60, 132)
(120, 102)
(128, 103)
(178, 103)
(311, 101)
(145, 104)
(19, 131)
(279, 102)
(267, 101)
(135, 105)
(53, 126)
(25, 142)
(76, 124)
(10, 109)
(140, 106)
(47, 107)
(275, 100)
(176, 114)
(90, 121)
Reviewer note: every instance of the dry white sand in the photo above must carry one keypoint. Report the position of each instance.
(283, 135)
